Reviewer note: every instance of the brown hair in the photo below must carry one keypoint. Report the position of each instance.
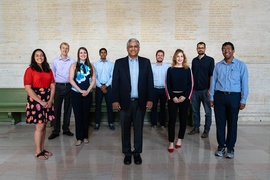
(160, 51)
(64, 43)
(87, 62)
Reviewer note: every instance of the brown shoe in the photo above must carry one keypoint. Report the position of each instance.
(194, 131)
(204, 134)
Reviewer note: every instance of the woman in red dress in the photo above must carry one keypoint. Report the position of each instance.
(40, 87)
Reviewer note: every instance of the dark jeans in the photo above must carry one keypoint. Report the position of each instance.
(159, 95)
(182, 109)
(136, 115)
(62, 93)
(81, 109)
(198, 97)
(108, 98)
(226, 108)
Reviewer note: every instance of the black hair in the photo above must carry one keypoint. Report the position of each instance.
(45, 65)
(103, 49)
(228, 43)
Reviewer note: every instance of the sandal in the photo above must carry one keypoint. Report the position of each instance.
(47, 153)
(42, 156)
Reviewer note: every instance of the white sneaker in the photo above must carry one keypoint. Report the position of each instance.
(220, 152)
(230, 155)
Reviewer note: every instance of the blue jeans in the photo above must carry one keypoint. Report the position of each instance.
(198, 97)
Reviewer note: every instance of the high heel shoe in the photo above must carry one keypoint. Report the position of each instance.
(177, 146)
(170, 150)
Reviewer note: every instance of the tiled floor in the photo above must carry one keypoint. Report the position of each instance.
(102, 157)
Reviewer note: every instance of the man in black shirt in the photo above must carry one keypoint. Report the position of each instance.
(202, 69)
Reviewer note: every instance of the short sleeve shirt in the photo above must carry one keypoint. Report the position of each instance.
(38, 79)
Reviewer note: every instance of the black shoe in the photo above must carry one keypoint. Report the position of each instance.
(204, 134)
(194, 131)
(52, 136)
(68, 133)
(111, 126)
(127, 160)
(137, 159)
(96, 128)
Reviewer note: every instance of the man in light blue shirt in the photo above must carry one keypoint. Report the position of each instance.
(104, 71)
(159, 73)
(60, 69)
(228, 95)
(134, 75)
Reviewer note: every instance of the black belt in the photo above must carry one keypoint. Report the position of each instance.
(133, 99)
(228, 93)
(63, 84)
(105, 85)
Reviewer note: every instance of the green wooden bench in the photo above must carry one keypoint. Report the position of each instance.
(12, 104)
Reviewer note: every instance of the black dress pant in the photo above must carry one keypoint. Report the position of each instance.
(62, 93)
(182, 109)
(226, 108)
(159, 95)
(108, 99)
(134, 114)
(81, 109)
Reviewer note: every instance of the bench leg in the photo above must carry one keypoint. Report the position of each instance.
(15, 117)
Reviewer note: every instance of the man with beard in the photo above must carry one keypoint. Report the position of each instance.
(159, 73)
(202, 69)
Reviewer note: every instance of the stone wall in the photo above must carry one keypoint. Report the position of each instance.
(158, 24)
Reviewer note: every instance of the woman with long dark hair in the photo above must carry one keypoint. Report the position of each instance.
(82, 77)
(40, 88)
(179, 86)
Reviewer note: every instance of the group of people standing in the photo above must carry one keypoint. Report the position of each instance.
(132, 85)
(68, 82)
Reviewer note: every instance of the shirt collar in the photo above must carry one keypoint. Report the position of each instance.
(102, 61)
(233, 61)
(158, 65)
(81, 62)
(202, 57)
(130, 59)
(60, 58)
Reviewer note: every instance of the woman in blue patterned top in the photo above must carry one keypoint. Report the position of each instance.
(82, 77)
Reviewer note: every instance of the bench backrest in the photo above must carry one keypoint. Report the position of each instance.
(12, 96)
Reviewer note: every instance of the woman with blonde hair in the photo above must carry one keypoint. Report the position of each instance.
(179, 83)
